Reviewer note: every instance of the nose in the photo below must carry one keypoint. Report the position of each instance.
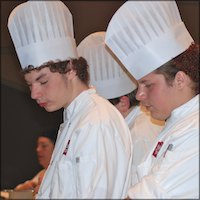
(140, 95)
(35, 92)
(38, 148)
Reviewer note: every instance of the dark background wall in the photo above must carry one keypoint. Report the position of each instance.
(21, 119)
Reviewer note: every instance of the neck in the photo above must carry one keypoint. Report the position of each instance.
(77, 87)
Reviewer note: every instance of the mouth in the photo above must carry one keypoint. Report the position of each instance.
(145, 104)
(40, 157)
(147, 107)
(42, 104)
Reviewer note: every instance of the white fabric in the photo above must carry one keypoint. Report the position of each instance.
(144, 35)
(42, 31)
(144, 132)
(174, 173)
(106, 73)
(98, 161)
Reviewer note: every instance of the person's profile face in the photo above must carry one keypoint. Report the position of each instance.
(44, 151)
(49, 89)
(154, 93)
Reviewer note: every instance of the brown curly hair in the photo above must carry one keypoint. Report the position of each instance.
(188, 62)
(79, 65)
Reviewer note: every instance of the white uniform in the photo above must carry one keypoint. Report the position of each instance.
(172, 169)
(143, 133)
(96, 163)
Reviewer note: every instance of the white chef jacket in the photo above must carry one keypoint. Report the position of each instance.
(143, 132)
(171, 169)
(96, 163)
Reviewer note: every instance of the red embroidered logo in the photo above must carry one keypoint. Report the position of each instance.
(66, 149)
(157, 149)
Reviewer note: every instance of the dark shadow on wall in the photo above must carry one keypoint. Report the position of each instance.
(23, 120)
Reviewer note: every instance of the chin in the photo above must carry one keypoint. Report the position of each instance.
(51, 109)
(158, 116)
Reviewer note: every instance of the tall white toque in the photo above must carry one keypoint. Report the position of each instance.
(144, 35)
(42, 31)
(106, 74)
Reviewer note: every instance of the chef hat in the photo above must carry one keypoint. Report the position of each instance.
(146, 34)
(42, 31)
(106, 74)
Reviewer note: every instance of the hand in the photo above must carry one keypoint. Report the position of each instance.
(28, 185)
(35, 191)
(39, 182)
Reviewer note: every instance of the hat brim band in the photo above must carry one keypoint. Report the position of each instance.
(39, 53)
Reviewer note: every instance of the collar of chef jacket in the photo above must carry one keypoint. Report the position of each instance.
(76, 104)
(182, 111)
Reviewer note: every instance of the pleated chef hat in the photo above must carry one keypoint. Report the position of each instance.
(42, 31)
(146, 34)
(106, 74)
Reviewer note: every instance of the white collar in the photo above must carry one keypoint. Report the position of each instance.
(185, 109)
(75, 105)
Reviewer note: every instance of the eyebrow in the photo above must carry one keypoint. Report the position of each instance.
(40, 76)
(143, 81)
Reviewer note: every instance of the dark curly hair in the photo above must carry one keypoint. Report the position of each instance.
(188, 62)
(79, 65)
(132, 99)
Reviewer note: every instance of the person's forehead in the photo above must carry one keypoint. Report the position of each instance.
(36, 74)
(146, 78)
(39, 70)
(151, 77)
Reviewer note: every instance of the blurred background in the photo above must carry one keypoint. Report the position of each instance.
(21, 119)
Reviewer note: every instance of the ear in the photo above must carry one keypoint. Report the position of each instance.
(71, 74)
(181, 79)
(124, 104)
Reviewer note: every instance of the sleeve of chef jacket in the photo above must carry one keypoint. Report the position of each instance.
(174, 175)
(102, 159)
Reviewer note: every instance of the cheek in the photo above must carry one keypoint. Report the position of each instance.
(158, 95)
(53, 92)
(117, 106)
(161, 98)
(158, 92)
(59, 88)
(48, 152)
